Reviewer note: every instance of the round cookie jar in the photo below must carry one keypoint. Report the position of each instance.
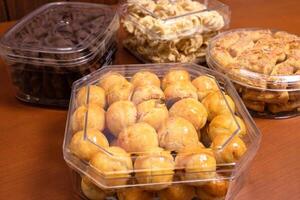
(264, 66)
(214, 166)
(55, 45)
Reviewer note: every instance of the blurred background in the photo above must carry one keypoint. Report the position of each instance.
(16, 9)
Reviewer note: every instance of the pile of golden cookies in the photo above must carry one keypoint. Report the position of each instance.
(159, 129)
(161, 32)
(258, 59)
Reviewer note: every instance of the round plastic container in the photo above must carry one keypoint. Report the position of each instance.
(115, 167)
(55, 45)
(172, 31)
(264, 67)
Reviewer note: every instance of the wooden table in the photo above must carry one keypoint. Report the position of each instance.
(32, 166)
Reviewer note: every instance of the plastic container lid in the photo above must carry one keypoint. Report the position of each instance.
(244, 76)
(63, 33)
(171, 19)
(122, 175)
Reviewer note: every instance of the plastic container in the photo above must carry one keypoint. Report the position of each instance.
(149, 179)
(172, 31)
(55, 45)
(264, 67)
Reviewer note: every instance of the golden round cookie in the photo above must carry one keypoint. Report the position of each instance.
(174, 76)
(225, 124)
(199, 148)
(192, 110)
(153, 112)
(180, 90)
(95, 95)
(95, 118)
(119, 115)
(146, 93)
(110, 79)
(137, 138)
(119, 92)
(215, 104)
(213, 189)
(134, 194)
(86, 148)
(143, 78)
(115, 165)
(177, 192)
(198, 164)
(177, 133)
(205, 85)
(91, 191)
(156, 166)
(232, 152)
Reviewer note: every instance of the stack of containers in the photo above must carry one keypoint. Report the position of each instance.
(57, 44)
(127, 138)
(164, 31)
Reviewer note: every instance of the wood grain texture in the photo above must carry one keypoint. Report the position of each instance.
(32, 165)
(276, 14)
(19, 8)
(3, 13)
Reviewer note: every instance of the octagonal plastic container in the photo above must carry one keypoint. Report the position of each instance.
(111, 183)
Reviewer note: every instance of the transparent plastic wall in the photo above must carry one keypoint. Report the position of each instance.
(146, 178)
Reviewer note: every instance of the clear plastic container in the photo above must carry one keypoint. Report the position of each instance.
(108, 171)
(164, 31)
(264, 67)
(55, 45)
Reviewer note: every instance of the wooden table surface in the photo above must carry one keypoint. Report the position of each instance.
(31, 161)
